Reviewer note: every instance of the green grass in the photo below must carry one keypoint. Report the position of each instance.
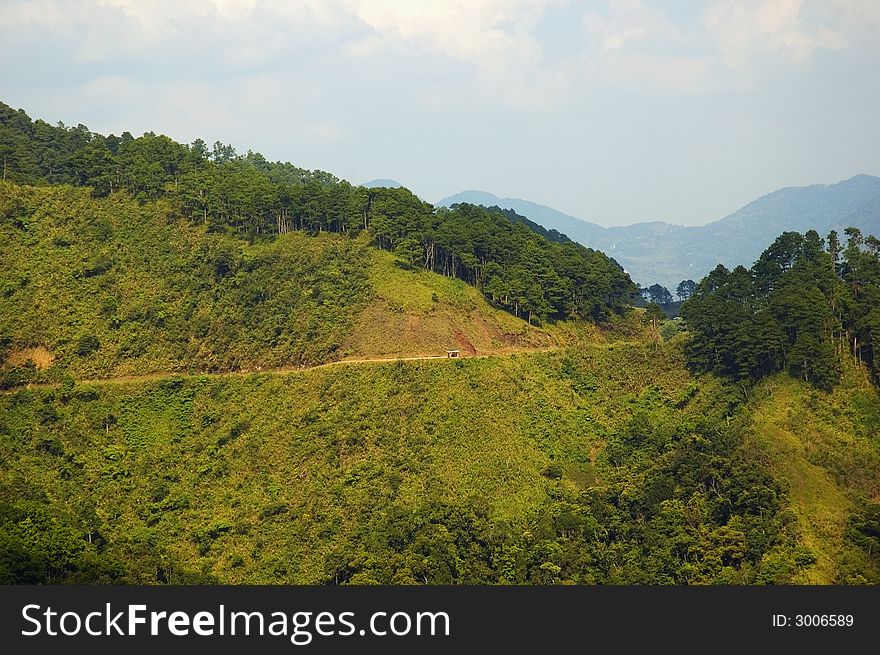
(415, 312)
(826, 446)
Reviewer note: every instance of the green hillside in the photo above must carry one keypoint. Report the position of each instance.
(99, 288)
(607, 463)
(522, 270)
(414, 312)
(827, 449)
(108, 287)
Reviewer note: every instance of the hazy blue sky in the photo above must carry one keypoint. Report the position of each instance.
(615, 111)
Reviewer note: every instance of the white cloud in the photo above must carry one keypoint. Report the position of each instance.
(492, 45)
(754, 34)
(472, 30)
(630, 24)
(864, 12)
(156, 12)
(635, 46)
(432, 55)
(732, 43)
(493, 38)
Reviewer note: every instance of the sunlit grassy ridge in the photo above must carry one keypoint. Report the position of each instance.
(416, 312)
(826, 446)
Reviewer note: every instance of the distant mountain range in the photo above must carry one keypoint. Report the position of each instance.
(381, 182)
(666, 254)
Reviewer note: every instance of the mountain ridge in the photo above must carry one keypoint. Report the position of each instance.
(381, 182)
(657, 251)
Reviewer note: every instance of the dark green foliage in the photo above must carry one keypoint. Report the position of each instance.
(551, 235)
(657, 294)
(87, 344)
(520, 271)
(862, 563)
(16, 376)
(685, 289)
(42, 547)
(792, 311)
(864, 530)
(554, 472)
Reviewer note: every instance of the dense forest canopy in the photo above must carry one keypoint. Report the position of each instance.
(803, 303)
(532, 274)
(549, 234)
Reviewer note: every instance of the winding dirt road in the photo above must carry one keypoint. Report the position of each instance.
(149, 377)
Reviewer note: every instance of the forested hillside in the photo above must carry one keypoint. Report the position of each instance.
(252, 198)
(110, 287)
(96, 288)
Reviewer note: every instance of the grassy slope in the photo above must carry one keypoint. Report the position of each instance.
(416, 312)
(260, 478)
(160, 294)
(827, 447)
